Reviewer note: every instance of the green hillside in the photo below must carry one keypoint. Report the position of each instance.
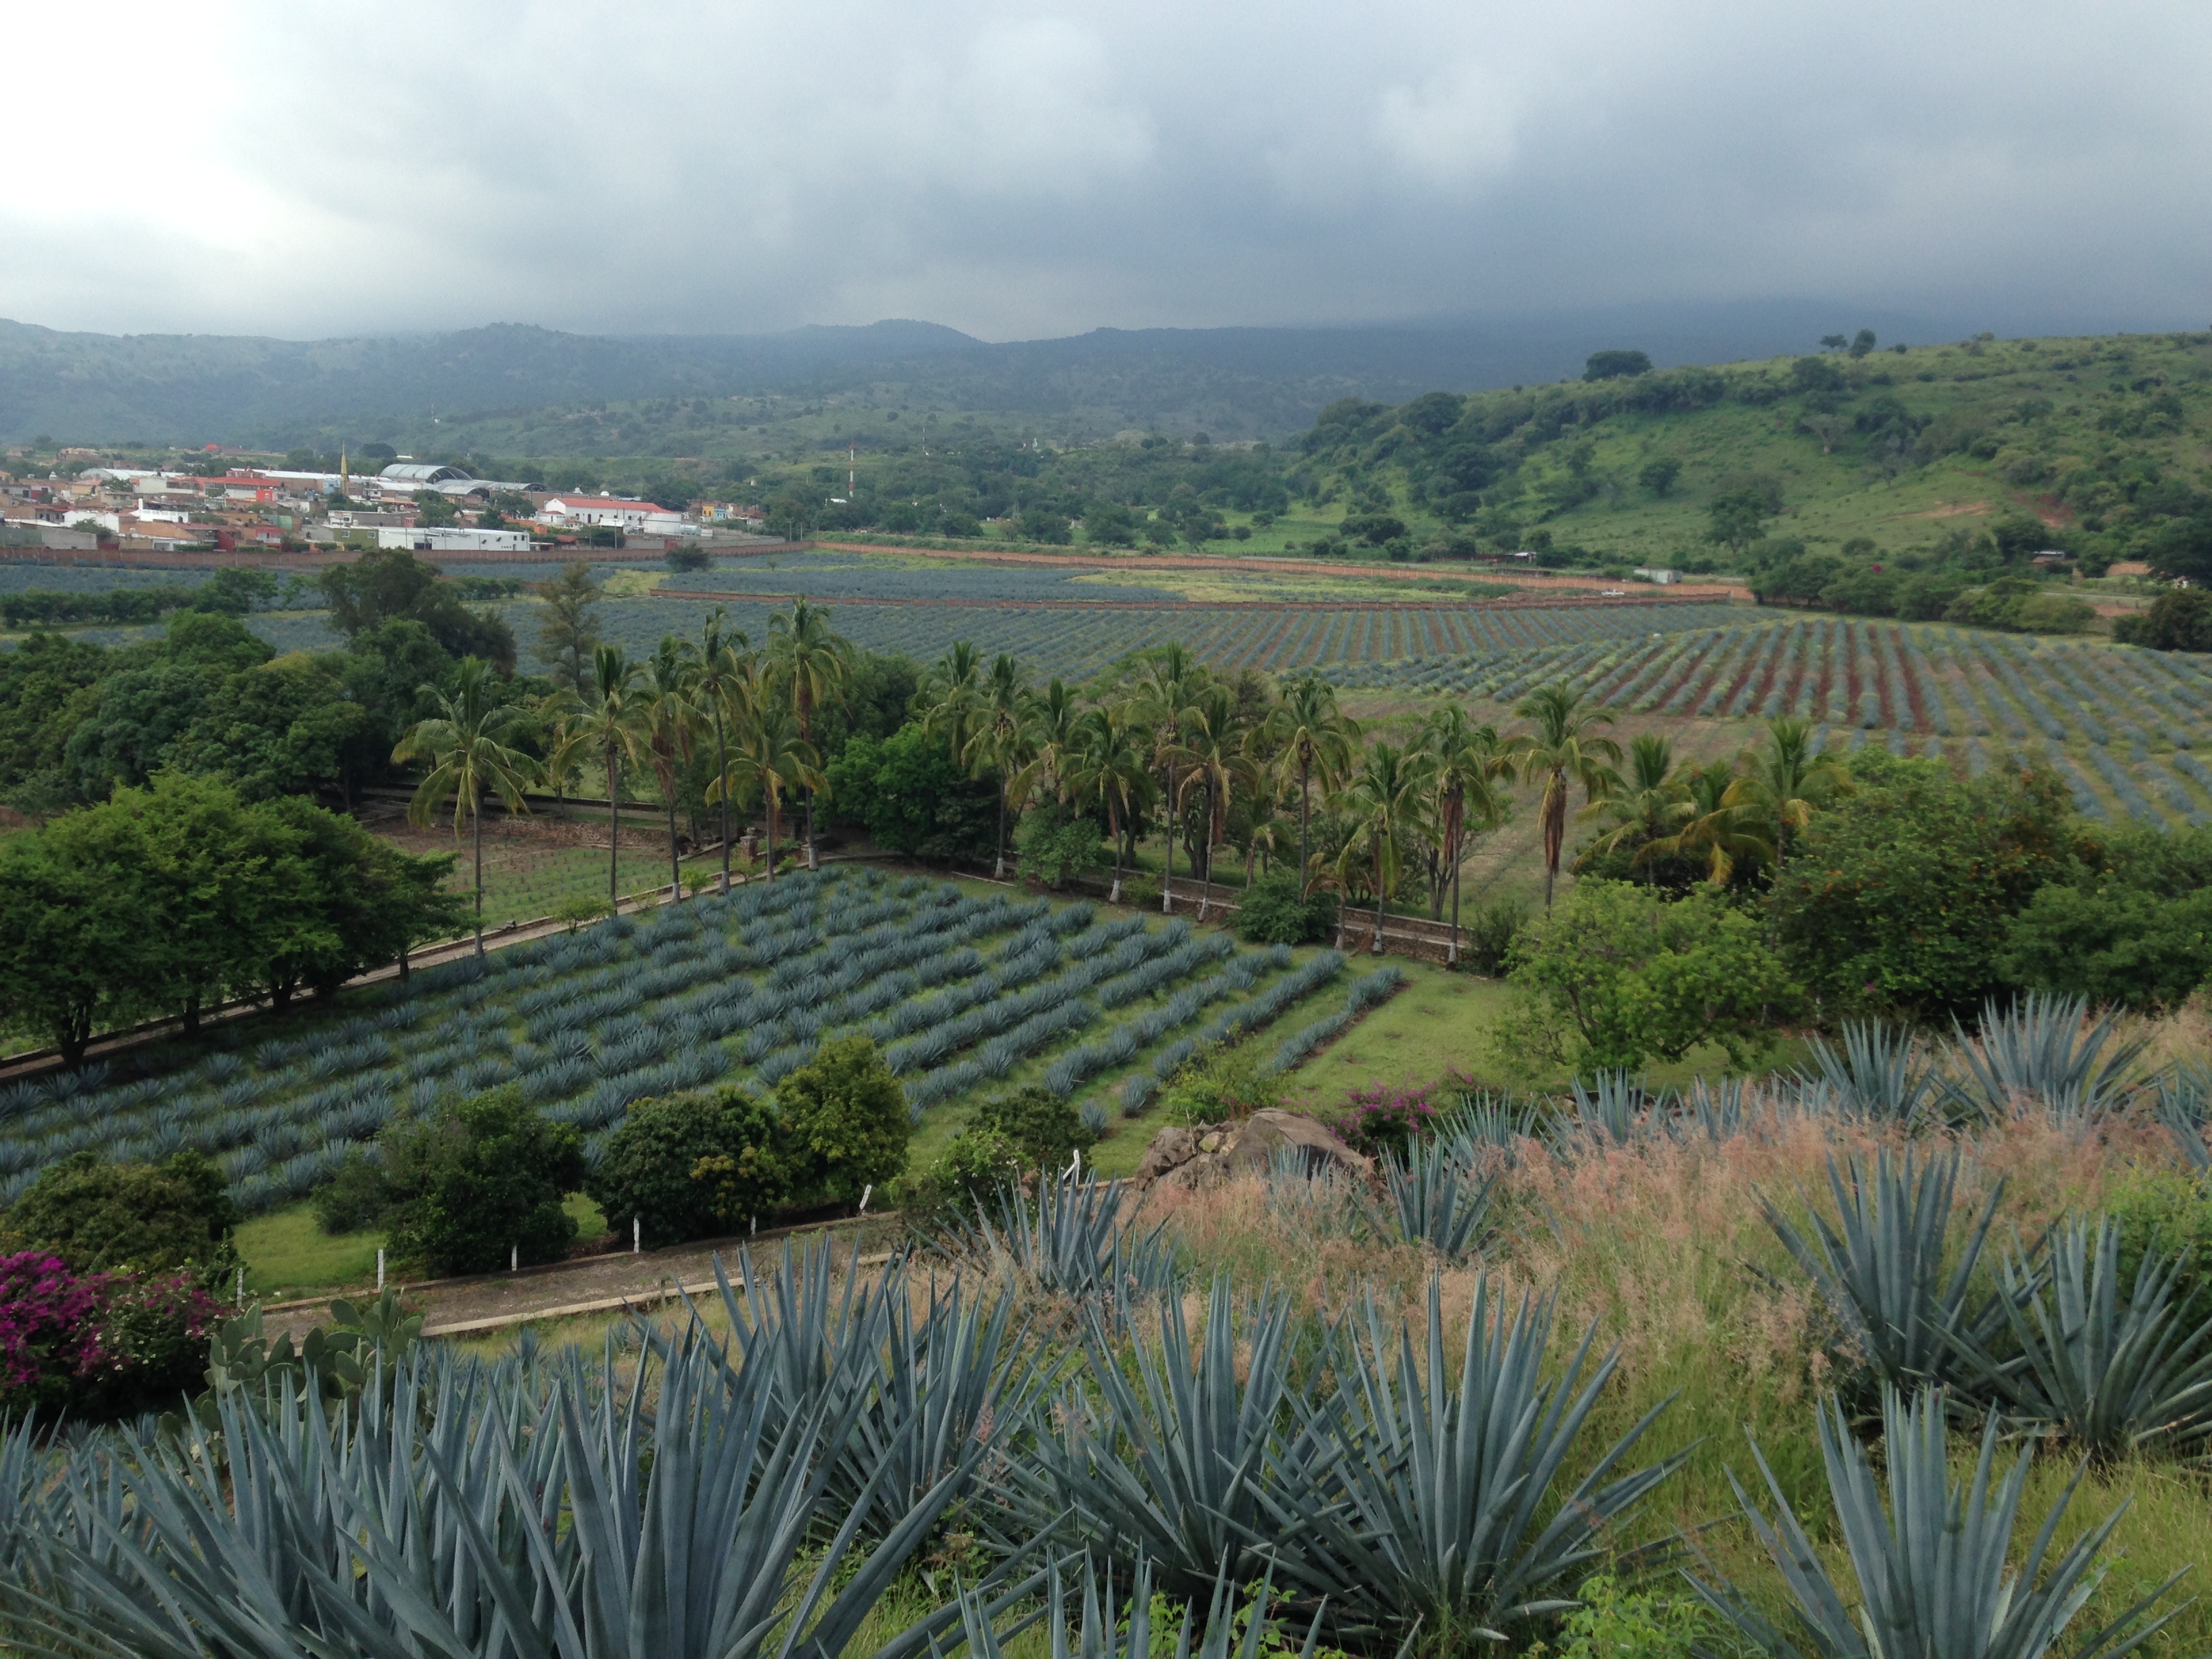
(2097, 445)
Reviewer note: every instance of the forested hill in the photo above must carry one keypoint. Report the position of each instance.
(2096, 445)
(511, 389)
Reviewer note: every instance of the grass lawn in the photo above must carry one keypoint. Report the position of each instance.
(288, 1256)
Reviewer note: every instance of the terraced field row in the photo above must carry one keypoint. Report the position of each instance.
(963, 993)
(2119, 724)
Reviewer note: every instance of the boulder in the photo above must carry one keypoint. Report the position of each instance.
(1196, 1156)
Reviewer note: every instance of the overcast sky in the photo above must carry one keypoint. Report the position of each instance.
(1044, 168)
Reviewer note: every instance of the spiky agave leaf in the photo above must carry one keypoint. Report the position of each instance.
(1931, 1566)
(2183, 1101)
(2112, 1366)
(1879, 1074)
(2036, 1052)
(1166, 1451)
(1434, 1197)
(1120, 1628)
(1446, 1476)
(1073, 1240)
(1880, 1267)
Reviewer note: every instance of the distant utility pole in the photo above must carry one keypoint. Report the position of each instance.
(852, 468)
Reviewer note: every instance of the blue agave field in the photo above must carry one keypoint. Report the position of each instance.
(959, 991)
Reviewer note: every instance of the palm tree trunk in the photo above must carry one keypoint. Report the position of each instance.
(999, 869)
(1454, 960)
(1305, 812)
(722, 773)
(1114, 824)
(675, 868)
(1206, 887)
(1555, 834)
(1376, 948)
(614, 828)
(477, 816)
(772, 816)
(1167, 882)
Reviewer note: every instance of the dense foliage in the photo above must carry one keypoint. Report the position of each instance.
(481, 1184)
(694, 1165)
(138, 1217)
(86, 1346)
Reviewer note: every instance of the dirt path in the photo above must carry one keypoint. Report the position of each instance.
(603, 1284)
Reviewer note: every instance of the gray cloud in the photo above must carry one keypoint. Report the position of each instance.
(1018, 172)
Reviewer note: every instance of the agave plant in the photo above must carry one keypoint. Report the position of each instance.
(1931, 1565)
(1171, 1460)
(1434, 1198)
(1449, 1512)
(1611, 1108)
(1879, 1075)
(2038, 1052)
(1880, 1267)
(2184, 1095)
(2112, 1367)
(1072, 1239)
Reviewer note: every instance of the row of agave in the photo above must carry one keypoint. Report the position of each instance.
(759, 1497)
(590, 1022)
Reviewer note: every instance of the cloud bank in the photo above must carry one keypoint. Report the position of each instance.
(1019, 171)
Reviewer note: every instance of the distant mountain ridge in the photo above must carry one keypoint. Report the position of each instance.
(1235, 382)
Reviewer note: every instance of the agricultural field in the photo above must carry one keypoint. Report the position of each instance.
(965, 993)
(530, 871)
(2123, 727)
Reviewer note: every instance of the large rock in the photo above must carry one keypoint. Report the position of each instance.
(1196, 1156)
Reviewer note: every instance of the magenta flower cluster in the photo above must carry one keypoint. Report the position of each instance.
(93, 1343)
(1378, 1119)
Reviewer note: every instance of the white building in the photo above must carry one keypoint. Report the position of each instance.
(453, 539)
(633, 518)
(1662, 577)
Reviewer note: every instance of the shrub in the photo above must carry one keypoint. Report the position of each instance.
(1055, 851)
(690, 1165)
(1618, 975)
(151, 1218)
(965, 1178)
(1223, 1085)
(2178, 621)
(1381, 1121)
(1486, 935)
(356, 1197)
(97, 1345)
(681, 558)
(1270, 912)
(483, 1178)
(847, 1119)
(1043, 1128)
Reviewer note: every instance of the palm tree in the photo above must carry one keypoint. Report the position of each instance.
(995, 739)
(815, 664)
(607, 718)
(466, 743)
(724, 684)
(1213, 748)
(1314, 740)
(1784, 784)
(1052, 735)
(772, 757)
(949, 696)
(1111, 767)
(1163, 697)
(1722, 832)
(1649, 803)
(670, 716)
(1564, 754)
(1383, 800)
(1466, 768)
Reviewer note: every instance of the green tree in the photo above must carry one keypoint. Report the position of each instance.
(1618, 975)
(568, 631)
(812, 663)
(1383, 803)
(1737, 519)
(687, 1166)
(1110, 774)
(607, 719)
(1903, 902)
(1660, 476)
(668, 714)
(1564, 754)
(1616, 365)
(281, 728)
(469, 744)
(769, 756)
(1213, 748)
(1470, 765)
(74, 928)
(385, 584)
(1313, 739)
(364, 903)
(1862, 342)
(998, 739)
(2130, 924)
(846, 1117)
(481, 1184)
(726, 686)
(1784, 784)
(147, 1217)
(1645, 808)
(1166, 690)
